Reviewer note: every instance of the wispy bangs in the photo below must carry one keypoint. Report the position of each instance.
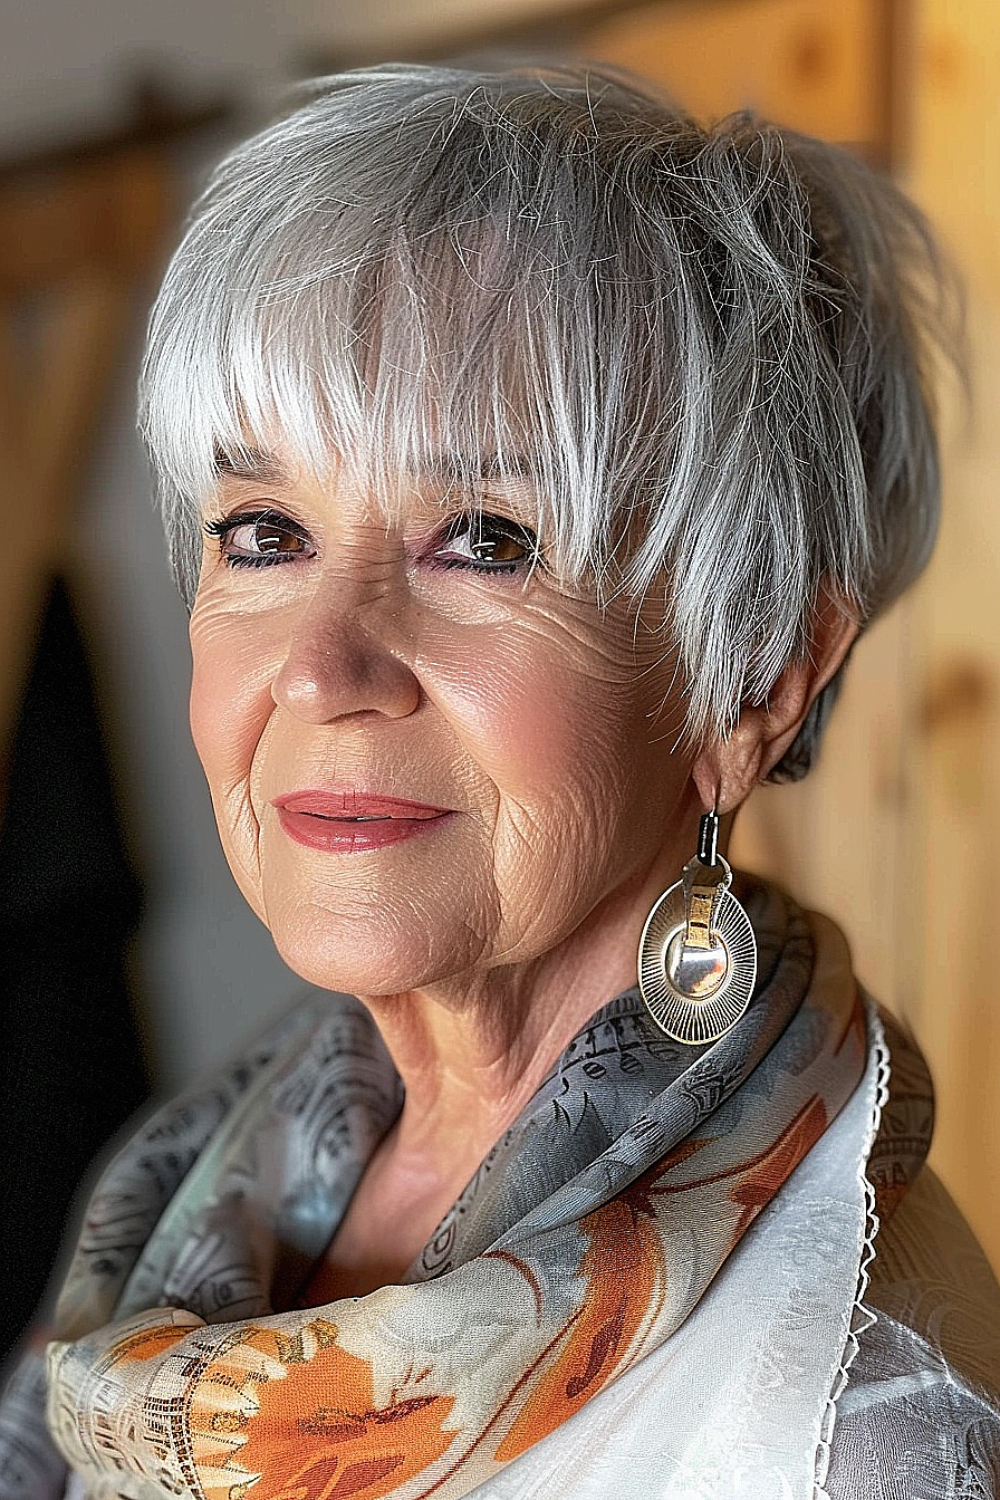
(467, 334)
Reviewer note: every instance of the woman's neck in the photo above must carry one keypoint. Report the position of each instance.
(473, 1053)
(471, 1057)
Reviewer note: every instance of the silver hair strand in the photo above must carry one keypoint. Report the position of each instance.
(711, 347)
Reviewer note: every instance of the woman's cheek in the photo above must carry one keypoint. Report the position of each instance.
(513, 709)
(541, 731)
(230, 706)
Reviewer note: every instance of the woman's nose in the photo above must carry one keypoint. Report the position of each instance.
(341, 662)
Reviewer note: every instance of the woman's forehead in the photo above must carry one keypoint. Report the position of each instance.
(438, 478)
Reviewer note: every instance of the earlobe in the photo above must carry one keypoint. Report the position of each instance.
(728, 769)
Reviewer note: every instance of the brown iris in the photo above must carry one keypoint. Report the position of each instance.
(270, 536)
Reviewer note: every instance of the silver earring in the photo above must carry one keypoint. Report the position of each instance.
(697, 953)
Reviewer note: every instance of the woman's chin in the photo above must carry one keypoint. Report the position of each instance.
(363, 959)
(378, 923)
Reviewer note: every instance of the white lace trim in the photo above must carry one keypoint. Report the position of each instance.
(862, 1317)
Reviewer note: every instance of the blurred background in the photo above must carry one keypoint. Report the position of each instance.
(128, 962)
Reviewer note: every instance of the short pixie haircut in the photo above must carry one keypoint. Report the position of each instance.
(709, 348)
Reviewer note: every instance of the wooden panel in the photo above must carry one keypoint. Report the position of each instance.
(955, 173)
(818, 67)
(105, 216)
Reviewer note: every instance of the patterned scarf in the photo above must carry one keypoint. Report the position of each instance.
(583, 1244)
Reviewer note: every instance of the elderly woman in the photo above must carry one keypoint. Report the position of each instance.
(532, 458)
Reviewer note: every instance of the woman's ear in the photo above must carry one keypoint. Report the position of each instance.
(729, 769)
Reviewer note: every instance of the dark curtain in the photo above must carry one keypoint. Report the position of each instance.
(73, 1067)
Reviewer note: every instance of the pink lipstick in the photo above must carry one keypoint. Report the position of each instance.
(350, 822)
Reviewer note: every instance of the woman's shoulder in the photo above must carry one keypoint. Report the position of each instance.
(152, 1186)
(920, 1414)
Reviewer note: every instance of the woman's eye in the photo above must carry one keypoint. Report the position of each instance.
(487, 544)
(255, 539)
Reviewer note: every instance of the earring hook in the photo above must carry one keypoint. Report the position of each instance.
(708, 837)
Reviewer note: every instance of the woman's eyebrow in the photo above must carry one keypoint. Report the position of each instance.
(251, 463)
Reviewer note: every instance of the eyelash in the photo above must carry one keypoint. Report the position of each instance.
(226, 525)
(502, 528)
(522, 536)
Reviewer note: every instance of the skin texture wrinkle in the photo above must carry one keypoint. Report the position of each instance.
(391, 658)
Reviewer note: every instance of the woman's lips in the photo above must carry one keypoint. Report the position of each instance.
(351, 821)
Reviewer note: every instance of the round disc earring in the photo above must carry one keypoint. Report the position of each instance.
(697, 954)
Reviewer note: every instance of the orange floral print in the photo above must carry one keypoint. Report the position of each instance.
(622, 1267)
(152, 1342)
(764, 1175)
(316, 1432)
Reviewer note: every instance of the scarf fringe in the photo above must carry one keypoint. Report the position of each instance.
(862, 1316)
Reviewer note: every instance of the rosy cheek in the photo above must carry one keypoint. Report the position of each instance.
(526, 715)
(538, 721)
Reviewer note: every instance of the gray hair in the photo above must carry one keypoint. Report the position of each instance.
(709, 347)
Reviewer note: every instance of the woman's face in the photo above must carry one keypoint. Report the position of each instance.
(427, 759)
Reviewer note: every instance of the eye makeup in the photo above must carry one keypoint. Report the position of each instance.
(485, 543)
(260, 538)
(476, 541)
